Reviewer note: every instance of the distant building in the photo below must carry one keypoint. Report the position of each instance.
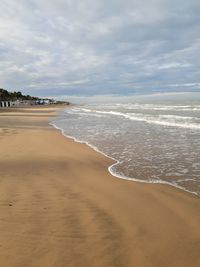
(5, 104)
(46, 101)
(21, 103)
(42, 102)
(16, 103)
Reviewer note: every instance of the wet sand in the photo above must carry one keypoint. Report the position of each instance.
(60, 207)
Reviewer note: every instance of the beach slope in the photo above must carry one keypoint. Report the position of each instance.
(60, 207)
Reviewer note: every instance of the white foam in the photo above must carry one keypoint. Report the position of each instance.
(159, 120)
(117, 162)
(159, 107)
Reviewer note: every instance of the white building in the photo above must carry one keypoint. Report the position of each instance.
(5, 104)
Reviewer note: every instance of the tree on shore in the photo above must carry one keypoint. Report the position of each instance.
(13, 96)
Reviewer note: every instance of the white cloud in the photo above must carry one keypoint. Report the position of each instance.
(98, 46)
(172, 65)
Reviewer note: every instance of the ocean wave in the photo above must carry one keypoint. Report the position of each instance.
(112, 167)
(164, 120)
(159, 107)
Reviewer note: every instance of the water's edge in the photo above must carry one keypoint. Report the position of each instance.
(110, 168)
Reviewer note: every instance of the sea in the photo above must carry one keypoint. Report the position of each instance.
(152, 138)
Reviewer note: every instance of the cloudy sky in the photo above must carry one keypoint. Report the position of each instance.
(88, 47)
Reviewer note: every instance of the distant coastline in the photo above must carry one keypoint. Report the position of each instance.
(17, 99)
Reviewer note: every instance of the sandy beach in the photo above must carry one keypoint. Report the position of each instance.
(60, 207)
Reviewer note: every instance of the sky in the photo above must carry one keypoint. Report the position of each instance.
(94, 47)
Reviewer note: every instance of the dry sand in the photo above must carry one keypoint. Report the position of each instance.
(59, 206)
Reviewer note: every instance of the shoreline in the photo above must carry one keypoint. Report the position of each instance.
(116, 162)
(59, 205)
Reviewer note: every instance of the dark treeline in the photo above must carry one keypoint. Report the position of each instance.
(6, 95)
(12, 96)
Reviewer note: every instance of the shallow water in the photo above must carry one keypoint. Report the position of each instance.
(152, 142)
